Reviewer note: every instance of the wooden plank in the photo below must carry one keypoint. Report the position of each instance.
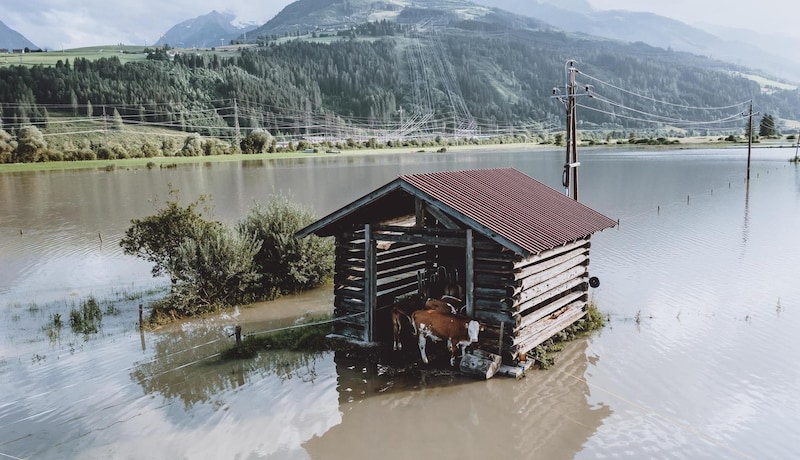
(495, 266)
(401, 262)
(350, 294)
(423, 239)
(494, 304)
(496, 292)
(541, 277)
(548, 309)
(427, 231)
(419, 212)
(525, 302)
(403, 251)
(534, 290)
(493, 280)
(351, 306)
(442, 218)
(496, 255)
(550, 263)
(553, 328)
(544, 255)
(348, 282)
(494, 318)
(404, 269)
(356, 272)
(384, 285)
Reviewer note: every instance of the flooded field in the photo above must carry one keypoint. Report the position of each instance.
(698, 282)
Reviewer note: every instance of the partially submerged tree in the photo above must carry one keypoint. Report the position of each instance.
(287, 264)
(156, 238)
(214, 268)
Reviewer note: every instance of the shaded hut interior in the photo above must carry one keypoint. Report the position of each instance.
(515, 250)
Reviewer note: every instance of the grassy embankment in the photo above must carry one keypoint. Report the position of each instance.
(130, 137)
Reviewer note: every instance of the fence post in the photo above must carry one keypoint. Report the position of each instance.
(238, 336)
(141, 323)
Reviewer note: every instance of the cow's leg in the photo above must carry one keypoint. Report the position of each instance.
(452, 350)
(422, 339)
(396, 329)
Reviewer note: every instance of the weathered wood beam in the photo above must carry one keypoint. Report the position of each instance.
(442, 218)
(573, 313)
(551, 288)
(404, 269)
(400, 262)
(548, 309)
(427, 240)
(370, 287)
(583, 243)
(540, 277)
(555, 261)
(469, 276)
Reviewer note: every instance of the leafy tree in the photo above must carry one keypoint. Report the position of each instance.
(7, 147)
(156, 238)
(287, 264)
(767, 127)
(30, 145)
(257, 141)
(117, 120)
(214, 267)
(192, 146)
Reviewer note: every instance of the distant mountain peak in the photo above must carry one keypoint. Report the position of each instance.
(212, 29)
(10, 39)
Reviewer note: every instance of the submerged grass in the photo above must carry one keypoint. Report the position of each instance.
(310, 335)
(544, 354)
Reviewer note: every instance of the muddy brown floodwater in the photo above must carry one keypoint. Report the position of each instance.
(699, 283)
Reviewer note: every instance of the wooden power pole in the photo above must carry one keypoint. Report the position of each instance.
(571, 163)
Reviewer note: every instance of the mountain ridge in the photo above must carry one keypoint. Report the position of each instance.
(10, 39)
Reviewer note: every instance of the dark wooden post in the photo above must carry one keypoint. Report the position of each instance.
(238, 333)
(141, 323)
(469, 276)
(370, 283)
(500, 342)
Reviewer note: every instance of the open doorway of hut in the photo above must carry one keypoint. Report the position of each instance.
(443, 279)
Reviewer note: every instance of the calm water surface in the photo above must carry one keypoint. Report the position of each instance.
(698, 359)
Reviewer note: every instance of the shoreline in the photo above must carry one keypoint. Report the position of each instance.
(174, 161)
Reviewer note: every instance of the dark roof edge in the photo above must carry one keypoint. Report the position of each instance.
(349, 208)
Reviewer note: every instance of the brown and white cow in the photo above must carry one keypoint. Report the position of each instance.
(459, 331)
(404, 307)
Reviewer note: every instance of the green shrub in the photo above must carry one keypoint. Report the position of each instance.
(86, 319)
(287, 264)
(214, 268)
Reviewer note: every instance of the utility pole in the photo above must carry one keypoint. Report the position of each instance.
(749, 139)
(238, 138)
(570, 174)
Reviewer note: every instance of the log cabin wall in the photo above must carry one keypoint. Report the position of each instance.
(395, 274)
(534, 298)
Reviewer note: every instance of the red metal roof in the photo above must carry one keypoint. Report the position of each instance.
(513, 205)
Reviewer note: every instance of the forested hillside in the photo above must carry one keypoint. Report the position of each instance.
(470, 78)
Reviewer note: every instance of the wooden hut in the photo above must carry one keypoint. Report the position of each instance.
(520, 249)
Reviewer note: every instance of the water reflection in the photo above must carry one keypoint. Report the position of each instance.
(387, 415)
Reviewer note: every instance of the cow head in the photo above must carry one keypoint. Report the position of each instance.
(472, 329)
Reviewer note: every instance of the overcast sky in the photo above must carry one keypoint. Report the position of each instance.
(53, 24)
